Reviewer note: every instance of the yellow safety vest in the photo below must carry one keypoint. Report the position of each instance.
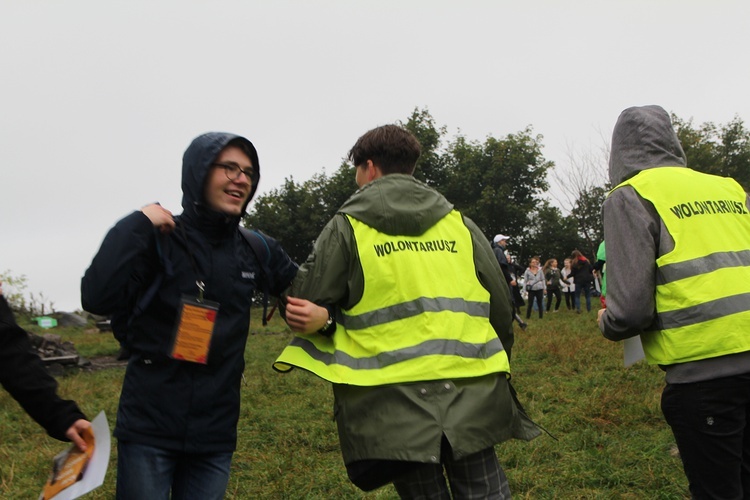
(423, 315)
(703, 285)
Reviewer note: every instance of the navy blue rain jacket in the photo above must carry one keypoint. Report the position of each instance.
(172, 404)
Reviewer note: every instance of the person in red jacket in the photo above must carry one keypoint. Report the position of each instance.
(582, 273)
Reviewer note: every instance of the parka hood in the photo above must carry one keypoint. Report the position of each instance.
(397, 204)
(197, 161)
(643, 138)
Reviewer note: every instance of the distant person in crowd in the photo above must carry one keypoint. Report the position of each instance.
(678, 275)
(552, 276)
(177, 419)
(515, 289)
(499, 247)
(24, 376)
(582, 273)
(567, 285)
(499, 243)
(420, 367)
(536, 287)
(600, 269)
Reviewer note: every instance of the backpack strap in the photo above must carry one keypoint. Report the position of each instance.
(121, 320)
(262, 252)
(148, 295)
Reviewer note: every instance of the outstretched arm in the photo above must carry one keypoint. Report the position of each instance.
(24, 376)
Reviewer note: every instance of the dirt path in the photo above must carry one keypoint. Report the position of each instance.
(104, 362)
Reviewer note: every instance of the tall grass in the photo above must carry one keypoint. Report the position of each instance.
(611, 440)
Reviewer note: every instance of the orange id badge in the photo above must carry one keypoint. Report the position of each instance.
(194, 330)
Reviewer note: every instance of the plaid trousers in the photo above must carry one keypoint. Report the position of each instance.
(474, 477)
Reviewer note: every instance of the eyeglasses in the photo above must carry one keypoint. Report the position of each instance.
(233, 171)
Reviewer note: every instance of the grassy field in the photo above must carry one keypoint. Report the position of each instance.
(611, 440)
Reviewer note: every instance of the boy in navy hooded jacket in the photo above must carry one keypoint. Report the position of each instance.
(179, 407)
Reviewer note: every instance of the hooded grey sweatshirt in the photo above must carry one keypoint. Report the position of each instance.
(636, 236)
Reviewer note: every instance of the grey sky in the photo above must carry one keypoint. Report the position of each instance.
(99, 99)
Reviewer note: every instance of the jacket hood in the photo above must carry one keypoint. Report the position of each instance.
(197, 161)
(397, 204)
(643, 138)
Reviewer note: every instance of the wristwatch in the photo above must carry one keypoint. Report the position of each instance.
(327, 329)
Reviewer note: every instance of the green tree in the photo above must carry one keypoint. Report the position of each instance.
(497, 183)
(14, 288)
(697, 143)
(337, 189)
(295, 213)
(581, 189)
(292, 214)
(734, 152)
(720, 150)
(551, 235)
(587, 215)
(431, 168)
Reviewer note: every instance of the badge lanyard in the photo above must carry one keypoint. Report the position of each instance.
(196, 320)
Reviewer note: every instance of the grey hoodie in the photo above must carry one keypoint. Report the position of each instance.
(636, 236)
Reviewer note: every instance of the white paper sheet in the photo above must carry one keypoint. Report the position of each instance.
(97, 467)
(633, 350)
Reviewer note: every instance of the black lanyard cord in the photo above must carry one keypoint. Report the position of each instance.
(198, 282)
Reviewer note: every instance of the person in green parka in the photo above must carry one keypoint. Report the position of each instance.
(401, 305)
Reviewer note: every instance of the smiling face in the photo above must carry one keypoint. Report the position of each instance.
(221, 193)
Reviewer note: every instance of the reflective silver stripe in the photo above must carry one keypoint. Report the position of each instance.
(413, 308)
(383, 359)
(704, 312)
(701, 265)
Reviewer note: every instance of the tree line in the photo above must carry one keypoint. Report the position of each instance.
(501, 183)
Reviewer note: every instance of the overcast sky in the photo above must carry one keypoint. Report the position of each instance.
(99, 99)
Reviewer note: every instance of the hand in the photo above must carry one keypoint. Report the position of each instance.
(599, 315)
(513, 283)
(74, 433)
(159, 216)
(303, 316)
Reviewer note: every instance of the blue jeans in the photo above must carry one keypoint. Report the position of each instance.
(148, 472)
(711, 423)
(585, 288)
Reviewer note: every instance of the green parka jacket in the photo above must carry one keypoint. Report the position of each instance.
(407, 421)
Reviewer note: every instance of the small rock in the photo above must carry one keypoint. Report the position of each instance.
(69, 319)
